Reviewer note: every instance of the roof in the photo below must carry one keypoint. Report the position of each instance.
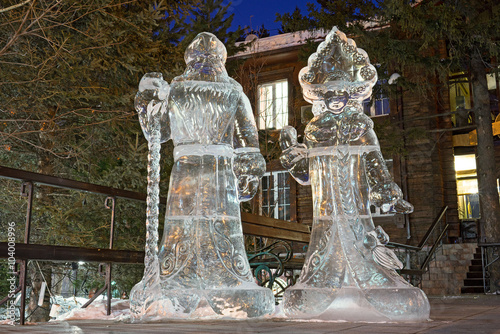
(282, 41)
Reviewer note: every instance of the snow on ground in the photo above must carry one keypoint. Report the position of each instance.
(70, 309)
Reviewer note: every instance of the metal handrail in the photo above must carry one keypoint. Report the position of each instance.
(58, 182)
(485, 261)
(433, 249)
(432, 228)
(426, 237)
(423, 267)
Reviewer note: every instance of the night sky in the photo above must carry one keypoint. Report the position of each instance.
(254, 13)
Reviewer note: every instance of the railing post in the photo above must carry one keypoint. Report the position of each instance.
(26, 191)
(108, 286)
(112, 224)
(111, 240)
(484, 260)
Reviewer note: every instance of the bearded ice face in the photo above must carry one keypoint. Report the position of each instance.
(205, 58)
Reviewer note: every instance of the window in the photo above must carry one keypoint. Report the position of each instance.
(275, 195)
(467, 190)
(460, 99)
(379, 107)
(378, 104)
(459, 88)
(273, 105)
(467, 187)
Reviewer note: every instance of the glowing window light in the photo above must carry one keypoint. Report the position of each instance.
(465, 162)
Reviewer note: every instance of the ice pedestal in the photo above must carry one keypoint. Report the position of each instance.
(224, 303)
(353, 304)
(200, 268)
(348, 272)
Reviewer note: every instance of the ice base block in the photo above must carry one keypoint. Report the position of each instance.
(357, 305)
(240, 303)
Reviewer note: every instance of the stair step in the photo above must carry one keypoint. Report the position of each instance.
(472, 289)
(476, 262)
(473, 282)
(476, 268)
(475, 274)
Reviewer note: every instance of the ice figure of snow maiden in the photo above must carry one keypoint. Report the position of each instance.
(201, 262)
(348, 272)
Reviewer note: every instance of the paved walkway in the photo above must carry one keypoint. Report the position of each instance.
(464, 314)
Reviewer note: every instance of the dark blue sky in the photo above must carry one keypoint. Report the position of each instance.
(254, 13)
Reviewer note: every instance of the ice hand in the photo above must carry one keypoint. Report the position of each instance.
(154, 83)
(384, 195)
(248, 168)
(294, 155)
(150, 103)
(402, 206)
(247, 187)
(389, 198)
(288, 137)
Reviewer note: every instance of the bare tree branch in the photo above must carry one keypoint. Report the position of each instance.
(14, 6)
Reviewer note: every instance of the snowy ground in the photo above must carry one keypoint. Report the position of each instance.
(70, 309)
(120, 311)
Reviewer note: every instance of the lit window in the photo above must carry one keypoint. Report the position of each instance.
(465, 164)
(379, 107)
(467, 189)
(273, 105)
(378, 104)
(275, 195)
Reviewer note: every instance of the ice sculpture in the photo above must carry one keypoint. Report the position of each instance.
(348, 272)
(200, 268)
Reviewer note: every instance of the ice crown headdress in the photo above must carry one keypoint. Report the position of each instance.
(338, 66)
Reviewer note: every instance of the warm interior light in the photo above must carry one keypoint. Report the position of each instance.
(467, 187)
(465, 162)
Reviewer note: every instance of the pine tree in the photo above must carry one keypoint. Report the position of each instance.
(213, 16)
(344, 14)
(69, 71)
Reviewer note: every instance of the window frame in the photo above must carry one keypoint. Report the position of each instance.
(378, 96)
(275, 123)
(268, 77)
(277, 200)
(273, 167)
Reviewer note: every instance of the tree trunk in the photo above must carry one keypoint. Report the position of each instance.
(485, 161)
